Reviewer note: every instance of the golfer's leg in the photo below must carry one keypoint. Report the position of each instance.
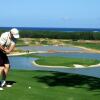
(1, 69)
(1, 74)
(5, 71)
(6, 68)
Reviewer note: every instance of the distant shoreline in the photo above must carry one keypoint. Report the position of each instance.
(61, 29)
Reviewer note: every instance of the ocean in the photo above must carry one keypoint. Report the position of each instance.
(56, 29)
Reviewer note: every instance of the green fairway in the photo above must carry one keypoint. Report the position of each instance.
(62, 61)
(50, 86)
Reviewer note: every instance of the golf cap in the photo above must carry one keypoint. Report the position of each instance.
(15, 32)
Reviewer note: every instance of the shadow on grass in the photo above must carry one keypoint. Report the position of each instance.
(73, 80)
(10, 82)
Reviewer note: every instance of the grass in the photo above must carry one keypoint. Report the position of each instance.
(50, 86)
(20, 42)
(89, 45)
(62, 61)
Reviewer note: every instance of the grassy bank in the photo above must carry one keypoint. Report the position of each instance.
(62, 61)
(50, 86)
(88, 45)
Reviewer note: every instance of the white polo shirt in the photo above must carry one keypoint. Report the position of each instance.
(5, 40)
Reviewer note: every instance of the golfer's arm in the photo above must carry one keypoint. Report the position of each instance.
(1, 48)
(11, 48)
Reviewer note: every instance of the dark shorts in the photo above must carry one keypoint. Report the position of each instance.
(3, 59)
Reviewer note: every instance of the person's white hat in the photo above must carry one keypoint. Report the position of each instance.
(15, 32)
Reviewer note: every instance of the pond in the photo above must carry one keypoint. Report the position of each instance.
(22, 63)
(26, 64)
(73, 55)
(46, 48)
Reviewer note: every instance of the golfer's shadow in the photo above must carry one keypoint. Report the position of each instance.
(10, 82)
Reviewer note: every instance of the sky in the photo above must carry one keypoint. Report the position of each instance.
(50, 13)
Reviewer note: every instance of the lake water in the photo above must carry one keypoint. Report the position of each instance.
(46, 48)
(22, 63)
(26, 64)
(73, 55)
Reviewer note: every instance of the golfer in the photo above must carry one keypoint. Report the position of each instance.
(7, 45)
